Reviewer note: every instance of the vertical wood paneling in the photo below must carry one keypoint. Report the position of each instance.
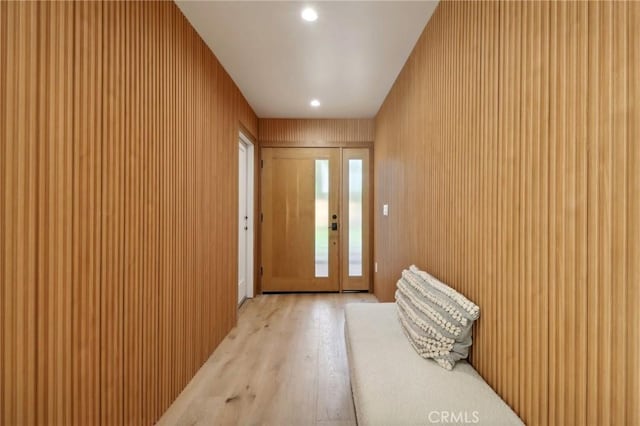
(4, 258)
(113, 198)
(633, 215)
(511, 133)
(619, 193)
(316, 133)
(593, 237)
(55, 197)
(604, 212)
(20, 197)
(117, 243)
(87, 200)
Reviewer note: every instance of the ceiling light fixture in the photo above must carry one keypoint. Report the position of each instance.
(314, 103)
(309, 14)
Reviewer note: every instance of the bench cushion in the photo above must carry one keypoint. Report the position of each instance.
(393, 385)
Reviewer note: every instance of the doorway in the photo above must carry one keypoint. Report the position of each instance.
(315, 219)
(245, 218)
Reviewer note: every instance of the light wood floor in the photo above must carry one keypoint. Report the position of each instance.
(284, 364)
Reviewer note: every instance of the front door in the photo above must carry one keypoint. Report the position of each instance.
(300, 222)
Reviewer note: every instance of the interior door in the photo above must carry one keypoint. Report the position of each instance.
(242, 222)
(300, 223)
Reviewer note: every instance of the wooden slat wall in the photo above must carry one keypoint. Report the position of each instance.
(87, 190)
(19, 211)
(508, 152)
(316, 133)
(116, 237)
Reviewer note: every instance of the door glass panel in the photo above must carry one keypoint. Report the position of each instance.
(355, 218)
(322, 218)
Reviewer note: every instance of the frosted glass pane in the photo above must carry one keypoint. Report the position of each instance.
(355, 218)
(322, 218)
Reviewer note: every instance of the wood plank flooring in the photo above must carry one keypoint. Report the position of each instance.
(284, 364)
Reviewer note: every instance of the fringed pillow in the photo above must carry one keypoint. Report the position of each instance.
(436, 319)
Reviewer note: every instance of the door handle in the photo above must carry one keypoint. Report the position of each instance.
(334, 226)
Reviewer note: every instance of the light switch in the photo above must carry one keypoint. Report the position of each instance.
(385, 210)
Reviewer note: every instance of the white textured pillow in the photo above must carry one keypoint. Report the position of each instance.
(436, 319)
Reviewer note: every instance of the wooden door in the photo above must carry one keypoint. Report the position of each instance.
(300, 196)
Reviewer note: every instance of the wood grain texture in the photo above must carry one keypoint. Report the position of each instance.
(55, 206)
(117, 246)
(633, 214)
(315, 133)
(507, 152)
(289, 219)
(87, 189)
(285, 364)
(20, 238)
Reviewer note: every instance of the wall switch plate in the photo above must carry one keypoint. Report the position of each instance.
(385, 210)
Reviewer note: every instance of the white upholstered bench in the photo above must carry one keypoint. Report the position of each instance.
(392, 385)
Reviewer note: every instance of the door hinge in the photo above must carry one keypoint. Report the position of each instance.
(262, 164)
(261, 271)
(261, 217)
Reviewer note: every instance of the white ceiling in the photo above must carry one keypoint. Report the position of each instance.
(348, 58)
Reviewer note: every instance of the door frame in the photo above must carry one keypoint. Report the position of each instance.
(371, 183)
(250, 273)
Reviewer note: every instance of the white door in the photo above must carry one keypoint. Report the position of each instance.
(243, 217)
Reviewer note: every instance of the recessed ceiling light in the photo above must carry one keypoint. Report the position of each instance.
(315, 103)
(309, 14)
